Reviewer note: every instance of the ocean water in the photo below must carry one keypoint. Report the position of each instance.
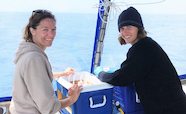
(74, 41)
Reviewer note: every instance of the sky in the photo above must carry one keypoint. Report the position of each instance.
(87, 6)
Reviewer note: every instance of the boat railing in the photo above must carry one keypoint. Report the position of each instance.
(183, 79)
(5, 102)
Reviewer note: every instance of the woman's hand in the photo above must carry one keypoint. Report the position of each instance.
(73, 95)
(67, 72)
(74, 92)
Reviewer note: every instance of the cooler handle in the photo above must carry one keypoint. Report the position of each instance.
(97, 105)
(137, 98)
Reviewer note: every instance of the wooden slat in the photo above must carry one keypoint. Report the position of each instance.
(69, 109)
(59, 94)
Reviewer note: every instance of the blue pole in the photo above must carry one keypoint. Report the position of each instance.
(99, 28)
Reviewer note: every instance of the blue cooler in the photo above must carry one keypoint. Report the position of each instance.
(94, 99)
(128, 99)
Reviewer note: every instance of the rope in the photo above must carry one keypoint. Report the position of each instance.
(121, 110)
(112, 13)
(115, 8)
(147, 3)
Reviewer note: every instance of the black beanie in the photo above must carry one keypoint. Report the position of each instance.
(130, 17)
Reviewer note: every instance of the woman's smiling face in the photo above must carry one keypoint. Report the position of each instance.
(129, 34)
(44, 33)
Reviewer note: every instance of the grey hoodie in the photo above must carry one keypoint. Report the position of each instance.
(32, 91)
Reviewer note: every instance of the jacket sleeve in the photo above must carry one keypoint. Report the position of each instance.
(133, 69)
(39, 85)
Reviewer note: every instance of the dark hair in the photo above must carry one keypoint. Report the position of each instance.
(141, 34)
(34, 21)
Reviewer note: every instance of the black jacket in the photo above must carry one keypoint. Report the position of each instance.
(156, 81)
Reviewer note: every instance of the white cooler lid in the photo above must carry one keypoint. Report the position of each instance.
(98, 85)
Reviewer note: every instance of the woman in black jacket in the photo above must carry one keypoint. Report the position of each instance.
(147, 67)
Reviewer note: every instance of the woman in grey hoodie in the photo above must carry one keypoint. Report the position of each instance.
(32, 91)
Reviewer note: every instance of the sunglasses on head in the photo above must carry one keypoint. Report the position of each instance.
(40, 12)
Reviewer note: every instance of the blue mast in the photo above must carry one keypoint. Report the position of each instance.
(99, 36)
